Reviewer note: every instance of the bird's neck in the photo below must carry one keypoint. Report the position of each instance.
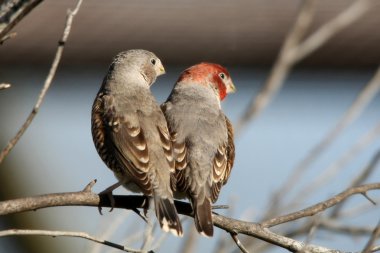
(123, 80)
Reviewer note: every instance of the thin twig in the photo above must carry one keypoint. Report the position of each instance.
(7, 37)
(238, 243)
(314, 209)
(363, 175)
(222, 244)
(357, 209)
(4, 86)
(375, 234)
(313, 229)
(49, 79)
(365, 195)
(107, 229)
(18, 232)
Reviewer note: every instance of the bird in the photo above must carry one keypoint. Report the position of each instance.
(202, 137)
(130, 133)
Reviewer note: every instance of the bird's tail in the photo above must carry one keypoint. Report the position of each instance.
(167, 216)
(202, 217)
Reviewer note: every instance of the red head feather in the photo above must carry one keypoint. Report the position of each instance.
(207, 73)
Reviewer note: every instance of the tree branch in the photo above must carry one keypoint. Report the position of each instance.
(49, 79)
(12, 12)
(260, 231)
(18, 232)
(314, 209)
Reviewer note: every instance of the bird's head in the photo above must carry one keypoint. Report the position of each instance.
(140, 62)
(210, 75)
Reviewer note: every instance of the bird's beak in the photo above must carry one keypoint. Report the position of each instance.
(161, 70)
(231, 87)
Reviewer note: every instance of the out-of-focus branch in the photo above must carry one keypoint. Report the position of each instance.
(257, 230)
(331, 28)
(281, 67)
(7, 37)
(375, 234)
(238, 242)
(294, 50)
(12, 12)
(363, 175)
(329, 173)
(4, 86)
(314, 209)
(19, 232)
(333, 226)
(190, 241)
(108, 230)
(49, 79)
(361, 101)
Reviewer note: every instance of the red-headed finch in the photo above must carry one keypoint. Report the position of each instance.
(202, 137)
(131, 135)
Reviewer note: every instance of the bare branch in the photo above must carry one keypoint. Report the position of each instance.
(365, 195)
(371, 241)
(294, 51)
(331, 28)
(12, 12)
(19, 232)
(49, 79)
(358, 180)
(4, 86)
(260, 231)
(314, 209)
(281, 67)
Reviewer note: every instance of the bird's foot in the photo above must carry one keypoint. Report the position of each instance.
(108, 193)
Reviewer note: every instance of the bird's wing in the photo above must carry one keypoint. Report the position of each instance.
(130, 145)
(178, 181)
(223, 162)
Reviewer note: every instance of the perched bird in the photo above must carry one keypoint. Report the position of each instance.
(130, 132)
(202, 137)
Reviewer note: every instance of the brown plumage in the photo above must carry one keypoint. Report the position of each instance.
(130, 132)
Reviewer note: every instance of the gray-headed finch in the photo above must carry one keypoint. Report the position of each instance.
(202, 137)
(130, 132)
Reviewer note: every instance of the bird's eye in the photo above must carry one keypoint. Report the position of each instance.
(222, 75)
(153, 61)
